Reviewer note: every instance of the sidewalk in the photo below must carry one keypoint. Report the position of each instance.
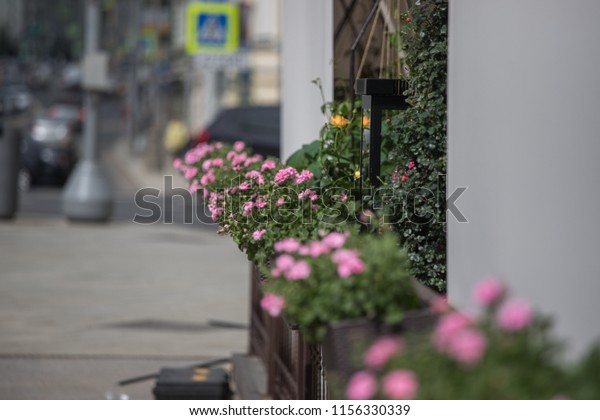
(85, 306)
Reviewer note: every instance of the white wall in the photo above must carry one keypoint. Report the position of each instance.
(306, 54)
(524, 136)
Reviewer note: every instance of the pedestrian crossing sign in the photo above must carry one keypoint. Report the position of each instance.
(212, 28)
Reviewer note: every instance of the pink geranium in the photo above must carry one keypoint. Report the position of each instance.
(488, 291)
(400, 384)
(284, 174)
(261, 202)
(299, 271)
(256, 176)
(273, 304)
(206, 165)
(267, 165)
(317, 248)
(288, 245)
(239, 159)
(247, 209)
(348, 262)
(303, 176)
(194, 186)
(190, 173)
(258, 234)
(280, 202)
(380, 351)
(335, 239)
(467, 346)
(514, 315)
(362, 386)
(448, 326)
(284, 262)
(244, 186)
(308, 193)
(238, 146)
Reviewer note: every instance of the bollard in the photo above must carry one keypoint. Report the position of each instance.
(10, 164)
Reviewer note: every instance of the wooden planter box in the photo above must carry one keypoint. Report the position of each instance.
(298, 370)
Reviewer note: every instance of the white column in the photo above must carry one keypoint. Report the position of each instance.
(306, 55)
(524, 137)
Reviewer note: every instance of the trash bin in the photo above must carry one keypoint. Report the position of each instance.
(10, 165)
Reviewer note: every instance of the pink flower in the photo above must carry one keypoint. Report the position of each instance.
(218, 162)
(258, 234)
(467, 346)
(400, 384)
(273, 304)
(316, 249)
(303, 176)
(411, 165)
(299, 271)
(267, 165)
(238, 146)
(395, 175)
(280, 202)
(239, 159)
(206, 165)
(308, 193)
(244, 186)
(230, 155)
(343, 197)
(348, 262)
(257, 176)
(284, 262)
(190, 173)
(194, 186)
(335, 240)
(207, 178)
(248, 206)
(284, 174)
(514, 315)
(380, 351)
(253, 159)
(404, 178)
(304, 251)
(261, 202)
(215, 213)
(448, 326)
(177, 163)
(288, 245)
(362, 386)
(488, 291)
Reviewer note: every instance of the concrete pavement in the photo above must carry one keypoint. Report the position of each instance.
(85, 306)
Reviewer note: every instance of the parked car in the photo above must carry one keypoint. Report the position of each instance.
(49, 152)
(14, 97)
(257, 126)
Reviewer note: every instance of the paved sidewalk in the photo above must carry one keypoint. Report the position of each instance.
(83, 306)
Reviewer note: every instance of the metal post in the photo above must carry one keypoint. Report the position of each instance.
(10, 163)
(87, 195)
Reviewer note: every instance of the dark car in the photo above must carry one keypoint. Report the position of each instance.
(14, 97)
(49, 152)
(257, 126)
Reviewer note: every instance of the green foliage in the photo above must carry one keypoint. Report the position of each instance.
(419, 133)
